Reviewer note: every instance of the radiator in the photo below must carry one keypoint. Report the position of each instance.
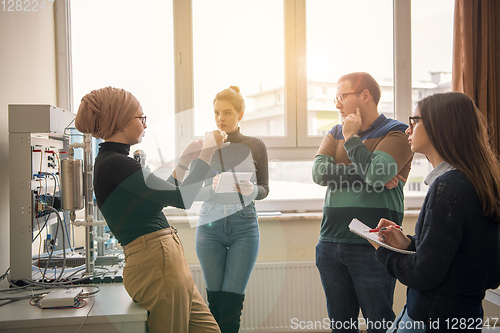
(280, 297)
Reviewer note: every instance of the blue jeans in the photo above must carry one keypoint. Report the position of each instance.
(227, 244)
(353, 278)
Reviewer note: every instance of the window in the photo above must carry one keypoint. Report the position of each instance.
(331, 50)
(127, 44)
(239, 43)
(286, 57)
(334, 50)
(432, 38)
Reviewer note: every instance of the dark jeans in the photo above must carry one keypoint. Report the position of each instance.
(353, 278)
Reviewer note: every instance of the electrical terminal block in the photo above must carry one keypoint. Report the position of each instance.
(40, 207)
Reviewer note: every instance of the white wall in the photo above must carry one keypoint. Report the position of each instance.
(27, 76)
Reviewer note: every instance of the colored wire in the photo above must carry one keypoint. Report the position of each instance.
(56, 179)
(63, 240)
(36, 210)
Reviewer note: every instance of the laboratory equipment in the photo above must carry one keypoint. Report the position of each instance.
(35, 141)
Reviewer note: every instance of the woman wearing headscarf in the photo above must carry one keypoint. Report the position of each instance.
(131, 200)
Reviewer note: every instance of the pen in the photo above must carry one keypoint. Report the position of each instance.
(377, 230)
(215, 171)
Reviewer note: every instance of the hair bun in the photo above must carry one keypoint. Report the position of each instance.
(233, 96)
(235, 88)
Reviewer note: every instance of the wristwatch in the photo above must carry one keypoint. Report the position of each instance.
(352, 136)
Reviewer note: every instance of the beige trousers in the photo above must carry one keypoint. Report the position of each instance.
(156, 276)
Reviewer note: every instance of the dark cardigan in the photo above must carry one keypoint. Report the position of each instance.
(457, 254)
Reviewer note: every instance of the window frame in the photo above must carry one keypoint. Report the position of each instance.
(63, 54)
(296, 144)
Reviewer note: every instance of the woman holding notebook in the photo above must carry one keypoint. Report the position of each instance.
(227, 237)
(457, 240)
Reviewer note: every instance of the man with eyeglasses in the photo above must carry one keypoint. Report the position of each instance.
(364, 162)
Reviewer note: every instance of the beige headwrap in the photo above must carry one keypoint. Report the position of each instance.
(105, 111)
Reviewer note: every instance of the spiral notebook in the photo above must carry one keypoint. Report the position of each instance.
(362, 230)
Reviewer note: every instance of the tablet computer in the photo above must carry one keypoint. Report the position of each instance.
(228, 179)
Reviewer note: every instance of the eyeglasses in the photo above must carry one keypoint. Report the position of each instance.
(143, 120)
(413, 121)
(341, 98)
